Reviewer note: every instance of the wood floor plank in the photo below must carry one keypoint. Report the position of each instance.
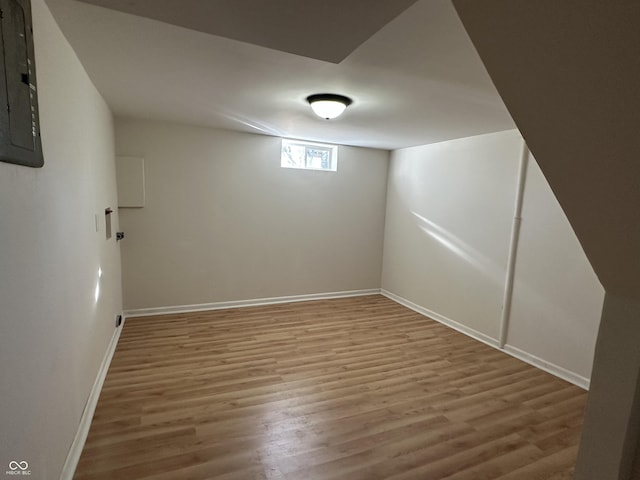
(355, 388)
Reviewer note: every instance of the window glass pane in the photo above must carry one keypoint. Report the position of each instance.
(293, 156)
(310, 156)
(318, 158)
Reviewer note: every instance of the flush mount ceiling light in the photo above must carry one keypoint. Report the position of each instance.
(328, 105)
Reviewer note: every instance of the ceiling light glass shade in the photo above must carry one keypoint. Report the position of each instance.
(328, 109)
(328, 105)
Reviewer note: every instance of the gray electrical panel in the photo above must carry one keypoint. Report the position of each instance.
(19, 123)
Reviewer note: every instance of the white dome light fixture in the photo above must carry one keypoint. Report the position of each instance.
(328, 105)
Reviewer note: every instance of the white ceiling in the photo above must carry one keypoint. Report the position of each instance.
(414, 81)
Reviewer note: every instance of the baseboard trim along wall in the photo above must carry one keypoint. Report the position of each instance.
(548, 367)
(537, 362)
(75, 450)
(145, 312)
(470, 332)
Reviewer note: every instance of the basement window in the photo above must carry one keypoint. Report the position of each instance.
(309, 156)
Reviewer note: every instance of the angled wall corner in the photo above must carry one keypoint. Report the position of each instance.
(568, 74)
(450, 211)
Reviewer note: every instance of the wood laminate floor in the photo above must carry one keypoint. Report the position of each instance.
(358, 388)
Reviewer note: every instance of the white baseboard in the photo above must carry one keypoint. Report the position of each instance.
(548, 367)
(442, 319)
(145, 312)
(529, 358)
(75, 451)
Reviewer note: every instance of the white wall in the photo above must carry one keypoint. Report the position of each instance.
(53, 333)
(223, 221)
(557, 298)
(449, 216)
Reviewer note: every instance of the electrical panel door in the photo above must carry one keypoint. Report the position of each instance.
(19, 124)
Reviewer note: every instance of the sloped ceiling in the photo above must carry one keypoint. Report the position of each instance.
(326, 30)
(569, 73)
(415, 79)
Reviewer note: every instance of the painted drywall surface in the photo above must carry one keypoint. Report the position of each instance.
(449, 215)
(557, 297)
(223, 221)
(608, 442)
(53, 331)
